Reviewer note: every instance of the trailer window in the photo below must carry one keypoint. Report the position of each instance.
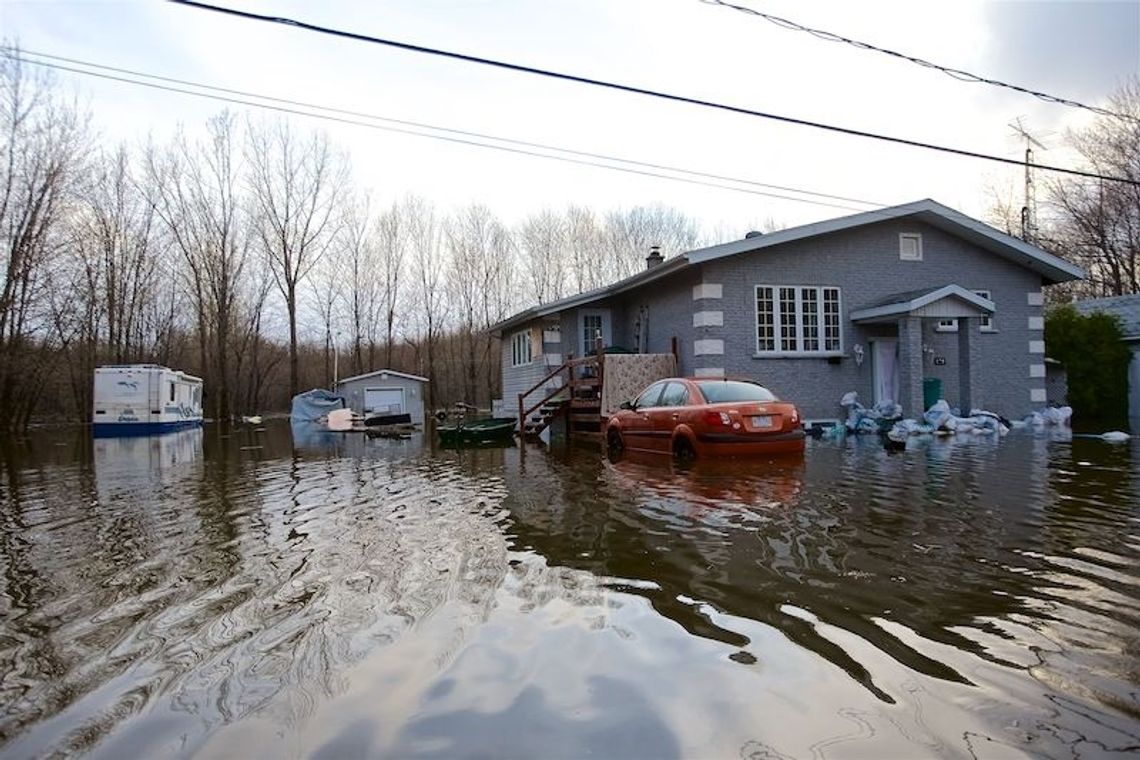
(172, 391)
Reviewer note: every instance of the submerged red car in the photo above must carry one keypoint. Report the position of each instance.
(698, 417)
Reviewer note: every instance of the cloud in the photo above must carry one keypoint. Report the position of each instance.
(1079, 49)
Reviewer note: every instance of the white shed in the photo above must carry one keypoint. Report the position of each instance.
(385, 391)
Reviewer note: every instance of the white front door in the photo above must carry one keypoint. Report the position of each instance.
(383, 400)
(885, 369)
(591, 323)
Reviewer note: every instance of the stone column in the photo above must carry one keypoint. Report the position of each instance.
(910, 366)
(969, 363)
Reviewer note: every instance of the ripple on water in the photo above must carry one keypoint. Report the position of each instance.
(376, 598)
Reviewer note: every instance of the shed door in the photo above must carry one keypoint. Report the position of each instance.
(384, 400)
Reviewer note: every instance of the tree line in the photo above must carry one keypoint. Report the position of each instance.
(244, 253)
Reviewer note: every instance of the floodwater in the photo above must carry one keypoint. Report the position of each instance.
(250, 595)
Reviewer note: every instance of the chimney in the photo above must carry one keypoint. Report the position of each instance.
(654, 258)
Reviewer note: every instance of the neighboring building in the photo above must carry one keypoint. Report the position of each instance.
(1127, 310)
(875, 302)
(385, 391)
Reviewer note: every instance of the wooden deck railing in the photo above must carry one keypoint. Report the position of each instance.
(597, 359)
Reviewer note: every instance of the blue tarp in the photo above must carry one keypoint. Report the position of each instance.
(314, 404)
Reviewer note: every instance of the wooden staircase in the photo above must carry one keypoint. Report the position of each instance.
(578, 398)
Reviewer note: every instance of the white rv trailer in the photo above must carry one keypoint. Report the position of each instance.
(143, 399)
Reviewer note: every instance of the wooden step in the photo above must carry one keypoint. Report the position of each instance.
(594, 418)
(586, 403)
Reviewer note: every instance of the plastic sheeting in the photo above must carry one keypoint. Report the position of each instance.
(314, 405)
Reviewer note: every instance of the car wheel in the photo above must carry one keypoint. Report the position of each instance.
(614, 442)
(683, 450)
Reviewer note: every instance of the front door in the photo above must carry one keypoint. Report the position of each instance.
(592, 323)
(885, 369)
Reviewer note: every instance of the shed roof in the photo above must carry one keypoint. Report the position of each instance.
(1127, 308)
(382, 372)
(1052, 268)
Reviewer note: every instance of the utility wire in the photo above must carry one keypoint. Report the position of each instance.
(959, 74)
(450, 130)
(638, 90)
(316, 113)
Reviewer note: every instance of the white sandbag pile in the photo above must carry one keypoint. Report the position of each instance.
(940, 419)
(863, 420)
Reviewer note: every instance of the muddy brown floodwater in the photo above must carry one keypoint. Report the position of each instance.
(255, 593)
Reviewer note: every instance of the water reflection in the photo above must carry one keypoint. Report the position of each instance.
(264, 590)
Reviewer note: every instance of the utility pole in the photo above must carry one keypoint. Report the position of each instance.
(1029, 207)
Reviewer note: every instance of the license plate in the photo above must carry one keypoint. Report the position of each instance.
(762, 422)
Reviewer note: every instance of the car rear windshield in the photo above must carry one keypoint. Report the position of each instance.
(720, 391)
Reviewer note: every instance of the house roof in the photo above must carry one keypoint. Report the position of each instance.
(382, 372)
(1052, 268)
(904, 303)
(1126, 308)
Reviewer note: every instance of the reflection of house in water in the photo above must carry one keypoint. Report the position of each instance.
(134, 462)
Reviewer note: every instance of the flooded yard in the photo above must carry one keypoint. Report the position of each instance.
(249, 594)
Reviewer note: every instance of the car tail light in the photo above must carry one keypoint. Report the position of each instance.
(717, 419)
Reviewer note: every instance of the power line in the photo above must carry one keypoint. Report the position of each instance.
(959, 74)
(315, 113)
(450, 130)
(635, 90)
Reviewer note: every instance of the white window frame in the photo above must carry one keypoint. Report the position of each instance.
(778, 323)
(522, 352)
(917, 238)
(987, 322)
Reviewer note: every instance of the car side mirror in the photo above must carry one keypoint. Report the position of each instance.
(627, 405)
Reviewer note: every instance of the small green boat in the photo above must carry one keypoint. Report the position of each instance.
(478, 431)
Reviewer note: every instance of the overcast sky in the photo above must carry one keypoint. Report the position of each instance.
(1080, 50)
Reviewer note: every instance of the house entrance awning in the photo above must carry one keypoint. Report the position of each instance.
(946, 302)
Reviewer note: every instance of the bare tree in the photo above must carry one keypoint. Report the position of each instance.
(296, 186)
(542, 243)
(425, 249)
(1096, 222)
(41, 142)
(197, 194)
(631, 234)
(392, 232)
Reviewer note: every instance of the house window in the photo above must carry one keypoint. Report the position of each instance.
(910, 246)
(986, 322)
(520, 349)
(797, 319)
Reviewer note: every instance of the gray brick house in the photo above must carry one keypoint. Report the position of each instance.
(875, 302)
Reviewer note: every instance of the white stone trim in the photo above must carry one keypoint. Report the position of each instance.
(708, 290)
(1037, 323)
(1036, 298)
(708, 347)
(1036, 346)
(1038, 395)
(708, 372)
(1037, 370)
(708, 319)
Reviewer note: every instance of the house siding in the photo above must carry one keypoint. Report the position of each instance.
(864, 263)
(521, 378)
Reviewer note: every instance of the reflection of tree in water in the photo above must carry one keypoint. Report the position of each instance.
(242, 587)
